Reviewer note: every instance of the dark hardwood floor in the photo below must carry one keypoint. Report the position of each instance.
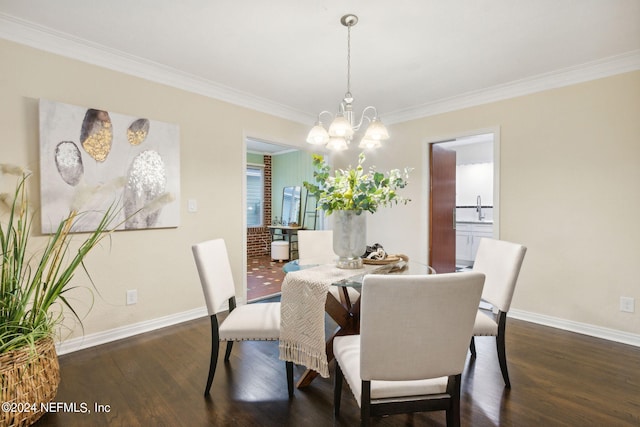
(157, 379)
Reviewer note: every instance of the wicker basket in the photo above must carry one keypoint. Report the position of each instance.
(28, 377)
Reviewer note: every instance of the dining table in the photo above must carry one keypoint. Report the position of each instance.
(310, 291)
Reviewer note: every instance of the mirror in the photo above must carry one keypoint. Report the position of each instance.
(291, 205)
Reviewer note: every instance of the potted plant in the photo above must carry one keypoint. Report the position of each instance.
(33, 290)
(348, 194)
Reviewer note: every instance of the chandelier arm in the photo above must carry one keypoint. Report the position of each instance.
(375, 112)
(325, 112)
(370, 119)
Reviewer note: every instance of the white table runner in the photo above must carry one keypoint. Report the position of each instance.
(304, 293)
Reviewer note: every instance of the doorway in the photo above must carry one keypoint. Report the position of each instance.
(263, 277)
(281, 167)
(463, 197)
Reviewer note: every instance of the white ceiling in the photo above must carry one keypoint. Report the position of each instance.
(288, 57)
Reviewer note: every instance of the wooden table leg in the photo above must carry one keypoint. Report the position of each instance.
(347, 319)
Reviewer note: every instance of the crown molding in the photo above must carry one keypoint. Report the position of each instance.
(43, 38)
(66, 45)
(606, 67)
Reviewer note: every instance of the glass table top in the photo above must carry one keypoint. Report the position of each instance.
(355, 281)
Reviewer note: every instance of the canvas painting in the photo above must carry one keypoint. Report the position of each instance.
(91, 159)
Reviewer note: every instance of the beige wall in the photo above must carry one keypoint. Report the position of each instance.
(158, 263)
(569, 181)
(570, 192)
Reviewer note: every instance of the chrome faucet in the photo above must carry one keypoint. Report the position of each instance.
(479, 208)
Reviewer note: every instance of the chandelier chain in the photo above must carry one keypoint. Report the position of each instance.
(349, 59)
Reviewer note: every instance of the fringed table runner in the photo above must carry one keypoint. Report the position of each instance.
(304, 293)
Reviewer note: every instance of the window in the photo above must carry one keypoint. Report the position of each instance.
(255, 195)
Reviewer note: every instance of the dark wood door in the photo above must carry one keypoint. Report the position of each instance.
(442, 205)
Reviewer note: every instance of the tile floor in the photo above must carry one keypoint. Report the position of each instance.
(264, 277)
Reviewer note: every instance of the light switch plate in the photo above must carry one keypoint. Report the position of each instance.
(627, 304)
(132, 297)
(192, 205)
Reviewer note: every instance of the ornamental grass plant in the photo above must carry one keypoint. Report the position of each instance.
(34, 284)
(356, 189)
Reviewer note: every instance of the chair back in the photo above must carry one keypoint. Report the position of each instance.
(500, 261)
(416, 327)
(315, 247)
(214, 270)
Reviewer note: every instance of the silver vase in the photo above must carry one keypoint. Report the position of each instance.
(349, 238)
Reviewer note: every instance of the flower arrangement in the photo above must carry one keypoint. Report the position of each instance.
(33, 284)
(356, 189)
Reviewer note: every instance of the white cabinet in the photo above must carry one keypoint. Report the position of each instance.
(468, 237)
(463, 243)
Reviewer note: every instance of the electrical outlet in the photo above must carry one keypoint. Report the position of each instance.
(132, 297)
(627, 304)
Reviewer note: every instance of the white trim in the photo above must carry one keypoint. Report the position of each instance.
(605, 67)
(47, 39)
(245, 230)
(279, 153)
(92, 340)
(497, 187)
(578, 327)
(423, 229)
(127, 331)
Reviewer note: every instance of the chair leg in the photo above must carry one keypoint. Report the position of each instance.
(453, 411)
(337, 390)
(472, 348)
(289, 366)
(215, 348)
(227, 353)
(365, 404)
(501, 347)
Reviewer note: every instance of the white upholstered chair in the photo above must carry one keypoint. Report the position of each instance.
(414, 336)
(500, 262)
(259, 321)
(316, 247)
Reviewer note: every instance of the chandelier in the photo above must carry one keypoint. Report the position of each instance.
(343, 126)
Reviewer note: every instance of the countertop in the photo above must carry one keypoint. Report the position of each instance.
(475, 222)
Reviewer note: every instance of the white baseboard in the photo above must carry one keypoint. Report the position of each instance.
(98, 338)
(580, 328)
(104, 337)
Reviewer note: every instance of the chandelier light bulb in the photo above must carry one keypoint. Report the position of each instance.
(337, 144)
(318, 135)
(368, 143)
(340, 127)
(376, 130)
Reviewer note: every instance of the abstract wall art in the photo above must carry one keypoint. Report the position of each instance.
(92, 158)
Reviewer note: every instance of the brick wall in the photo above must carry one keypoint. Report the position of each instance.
(258, 238)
